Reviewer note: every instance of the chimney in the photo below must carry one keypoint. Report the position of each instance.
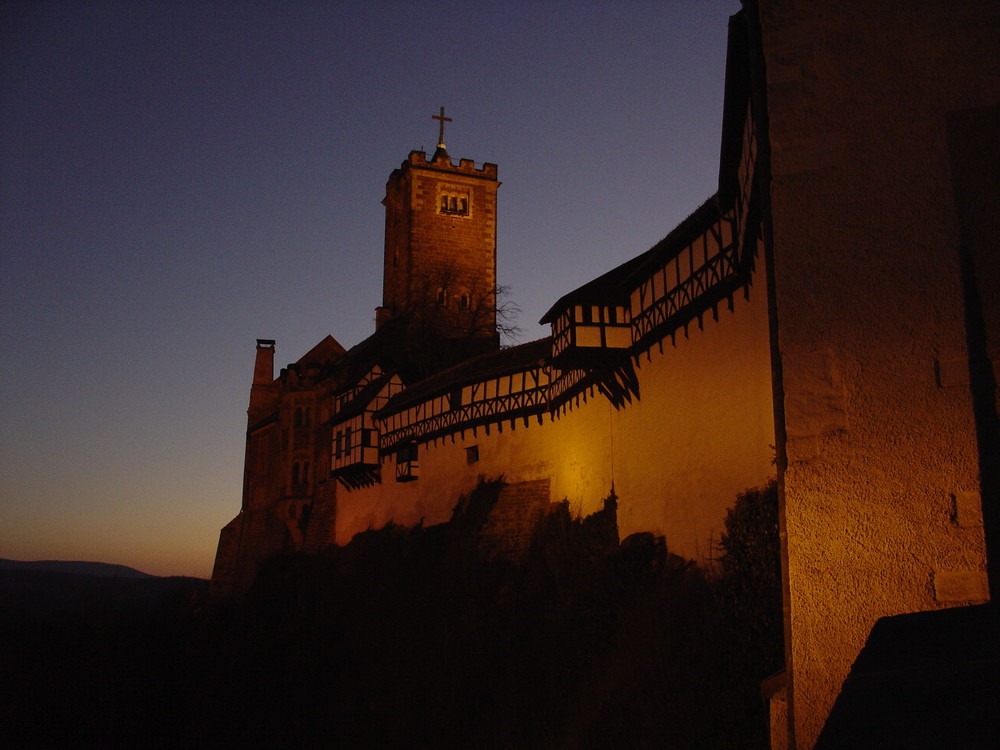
(263, 369)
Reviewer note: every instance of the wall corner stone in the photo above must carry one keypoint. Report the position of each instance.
(952, 372)
(967, 509)
(955, 586)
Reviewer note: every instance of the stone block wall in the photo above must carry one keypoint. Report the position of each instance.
(245, 542)
(322, 521)
(514, 520)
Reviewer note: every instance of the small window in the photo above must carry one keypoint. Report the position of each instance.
(407, 468)
(472, 454)
(406, 453)
(442, 298)
(463, 301)
(455, 203)
(298, 417)
(295, 473)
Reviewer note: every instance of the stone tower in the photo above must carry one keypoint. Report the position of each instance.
(440, 247)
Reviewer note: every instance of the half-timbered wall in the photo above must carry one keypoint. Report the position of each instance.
(508, 397)
(355, 432)
(355, 442)
(592, 327)
(700, 432)
(670, 295)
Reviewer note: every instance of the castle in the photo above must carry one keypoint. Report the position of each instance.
(830, 317)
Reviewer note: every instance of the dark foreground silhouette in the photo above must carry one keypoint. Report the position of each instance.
(411, 639)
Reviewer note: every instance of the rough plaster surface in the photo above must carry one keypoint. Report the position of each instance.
(865, 236)
(814, 395)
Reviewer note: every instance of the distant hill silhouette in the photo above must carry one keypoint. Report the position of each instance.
(102, 570)
(48, 592)
(90, 653)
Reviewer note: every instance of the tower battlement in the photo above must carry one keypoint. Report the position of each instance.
(441, 160)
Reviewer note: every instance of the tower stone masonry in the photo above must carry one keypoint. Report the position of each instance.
(440, 244)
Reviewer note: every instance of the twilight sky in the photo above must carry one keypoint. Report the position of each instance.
(178, 179)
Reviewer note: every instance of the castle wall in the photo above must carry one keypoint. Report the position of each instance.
(881, 492)
(264, 468)
(703, 430)
(700, 432)
(246, 541)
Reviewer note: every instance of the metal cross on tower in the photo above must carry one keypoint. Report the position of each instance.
(441, 120)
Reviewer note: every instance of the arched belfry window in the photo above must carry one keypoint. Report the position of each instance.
(454, 201)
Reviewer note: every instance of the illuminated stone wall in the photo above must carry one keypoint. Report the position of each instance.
(881, 490)
(700, 432)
